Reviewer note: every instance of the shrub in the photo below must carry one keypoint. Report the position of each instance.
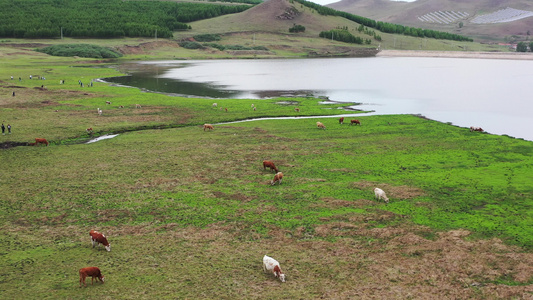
(215, 45)
(297, 28)
(191, 45)
(207, 37)
(81, 50)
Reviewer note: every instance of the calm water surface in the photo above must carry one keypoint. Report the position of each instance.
(492, 94)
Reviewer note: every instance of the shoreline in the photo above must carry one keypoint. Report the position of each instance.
(456, 54)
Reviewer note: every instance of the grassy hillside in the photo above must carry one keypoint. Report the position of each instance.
(266, 25)
(407, 13)
(190, 214)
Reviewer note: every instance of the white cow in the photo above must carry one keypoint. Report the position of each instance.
(381, 194)
(272, 265)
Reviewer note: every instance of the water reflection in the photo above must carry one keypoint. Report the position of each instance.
(142, 76)
(149, 77)
(465, 92)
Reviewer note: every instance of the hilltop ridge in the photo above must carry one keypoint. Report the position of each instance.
(452, 16)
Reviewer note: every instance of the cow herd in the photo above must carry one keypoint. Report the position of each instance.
(269, 263)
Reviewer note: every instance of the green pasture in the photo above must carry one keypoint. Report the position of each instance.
(190, 213)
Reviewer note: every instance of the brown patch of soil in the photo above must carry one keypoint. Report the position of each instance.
(146, 47)
(402, 192)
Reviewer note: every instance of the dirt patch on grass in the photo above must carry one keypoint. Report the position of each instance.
(377, 263)
(402, 192)
(146, 47)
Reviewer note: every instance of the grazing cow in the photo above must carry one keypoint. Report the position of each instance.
(226, 109)
(94, 272)
(215, 104)
(255, 108)
(98, 238)
(272, 265)
(89, 130)
(356, 122)
(296, 109)
(122, 106)
(381, 194)
(99, 111)
(41, 141)
(137, 106)
(320, 125)
(108, 102)
(269, 164)
(472, 128)
(277, 178)
(341, 120)
(208, 126)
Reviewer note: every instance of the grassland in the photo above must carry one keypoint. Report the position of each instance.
(190, 214)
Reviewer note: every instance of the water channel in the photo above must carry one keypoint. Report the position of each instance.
(489, 93)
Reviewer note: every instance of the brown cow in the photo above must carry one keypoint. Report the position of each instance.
(472, 128)
(89, 130)
(320, 125)
(269, 164)
(356, 122)
(94, 272)
(98, 238)
(296, 109)
(341, 120)
(277, 178)
(208, 126)
(41, 141)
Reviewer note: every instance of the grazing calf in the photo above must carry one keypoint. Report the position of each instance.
(226, 109)
(472, 128)
(99, 111)
(122, 106)
(341, 120)
(255, 108)
(41, 141)
(215, 104)
(108, 102)
(381, 194)
(320, 125)
(208, 126)
(89, 130)
(356, 122)
(277, 178)
(94, 272)
(98, 238)
(137, 106)
(272, 265)
(269, 164)
(296, 109)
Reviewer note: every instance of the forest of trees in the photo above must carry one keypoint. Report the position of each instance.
(383, 26)
(341, 35)
(104, 18)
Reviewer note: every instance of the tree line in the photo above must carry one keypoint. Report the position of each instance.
(104, 19)
(384, 26)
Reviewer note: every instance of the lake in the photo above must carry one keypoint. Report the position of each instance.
(488, 93)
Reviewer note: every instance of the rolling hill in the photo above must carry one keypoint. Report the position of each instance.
(268, 23)
(485, 21)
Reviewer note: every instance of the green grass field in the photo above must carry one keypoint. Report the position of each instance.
(190, 214)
